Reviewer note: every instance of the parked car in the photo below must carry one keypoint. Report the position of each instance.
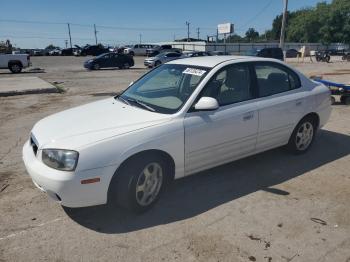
(181, 118)
(346, 56)
(110, 60)
(14, 62)
(55, 52)
(271, 52)
(138, 49)
(161, 59)
(157, 49)
(336, 51)
(38, 52)
(68, 51)
(195, 53)
(292, 53)
(93, 50)
(216, 53)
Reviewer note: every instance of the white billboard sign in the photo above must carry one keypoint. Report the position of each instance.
(226, 28)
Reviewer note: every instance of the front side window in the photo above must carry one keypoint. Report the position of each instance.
(231, 84)
(166, 88)
(274, 78)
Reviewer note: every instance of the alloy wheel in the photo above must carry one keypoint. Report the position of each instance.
(304, 136)
(149, 183)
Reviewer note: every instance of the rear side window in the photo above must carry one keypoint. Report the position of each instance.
(274, 78)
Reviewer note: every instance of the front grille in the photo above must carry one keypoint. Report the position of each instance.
(34, 144)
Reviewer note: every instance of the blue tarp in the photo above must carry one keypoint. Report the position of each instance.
(330, 83)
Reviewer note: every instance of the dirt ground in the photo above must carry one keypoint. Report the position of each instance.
(269, 207)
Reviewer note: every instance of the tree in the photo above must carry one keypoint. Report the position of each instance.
(51, 47)
(325, 23)
(251, 34)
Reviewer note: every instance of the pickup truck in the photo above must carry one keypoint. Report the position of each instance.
(14, 62)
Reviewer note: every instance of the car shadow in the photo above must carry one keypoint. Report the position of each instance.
(193, 195)
(23, 72)
(116, 68)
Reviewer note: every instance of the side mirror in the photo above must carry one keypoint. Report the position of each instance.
(132, 82)
(206, 104)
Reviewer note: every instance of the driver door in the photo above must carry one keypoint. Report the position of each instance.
(228, 133)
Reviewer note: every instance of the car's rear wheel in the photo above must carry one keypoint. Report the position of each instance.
(126, 66)
(332, 100)
(302, 136)
(139, 183)
(345, 100)
(158, 63)
(96, 66)
(15, 68)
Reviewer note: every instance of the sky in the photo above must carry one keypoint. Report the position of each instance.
(125, 22)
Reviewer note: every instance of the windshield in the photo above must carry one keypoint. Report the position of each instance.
(166, 88)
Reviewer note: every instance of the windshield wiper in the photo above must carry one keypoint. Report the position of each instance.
(141, 104)
(122, 99)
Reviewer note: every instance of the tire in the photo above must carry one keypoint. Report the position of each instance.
(138, 184)
(347, 100)
(327, 58)
(303, 136)
(158, 63)
(318, 59)
(132, 53)
(342, 99)
(126, 66)
(332, 100)
(96, 67)
(15, 68)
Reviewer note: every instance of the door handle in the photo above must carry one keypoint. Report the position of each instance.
(298, 103)
(248, 116)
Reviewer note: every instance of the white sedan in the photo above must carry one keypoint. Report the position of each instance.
(178, 119)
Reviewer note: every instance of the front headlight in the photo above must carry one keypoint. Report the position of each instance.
(65, 160)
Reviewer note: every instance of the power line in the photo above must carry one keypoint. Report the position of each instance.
(89, 25)
(255, 16)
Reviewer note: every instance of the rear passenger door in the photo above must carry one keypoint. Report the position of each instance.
(281, 103)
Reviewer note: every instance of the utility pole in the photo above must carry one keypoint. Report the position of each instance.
(198, 33)
(140, 36)
(70, 37)
(188, 31)
(66, 42)
(95, 33)
(283, 28)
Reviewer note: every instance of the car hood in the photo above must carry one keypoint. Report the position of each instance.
(79, 126)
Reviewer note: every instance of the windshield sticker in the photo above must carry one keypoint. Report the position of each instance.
(194, 71)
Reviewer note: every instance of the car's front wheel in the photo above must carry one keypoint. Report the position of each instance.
(302, 136)
(15, 68)
(96, 66)
(138, 184)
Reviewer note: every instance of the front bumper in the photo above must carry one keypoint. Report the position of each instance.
(149, 63)
(87, 65)
(65, 187)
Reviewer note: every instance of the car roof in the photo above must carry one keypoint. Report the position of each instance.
(212, 61)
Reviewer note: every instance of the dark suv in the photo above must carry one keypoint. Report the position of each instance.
(93, 50)
(271, 52)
